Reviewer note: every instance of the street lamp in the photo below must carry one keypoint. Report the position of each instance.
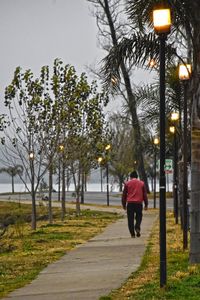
(162, 26)
(185, 71)
(152, 63)
(31, 155)
(31, 159)
(107, 148)
(174, 118)
(156, 142)
(172, 129)
(114, 80)
(100, 161)
(62, 178)
(184, 75)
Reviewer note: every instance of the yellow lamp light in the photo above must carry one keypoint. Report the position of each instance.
(162, 20)
(61, 147)
(156, 141)
(31, 155)
(185, 71)
(172, 129)
(174, 116)
(114, 80)
(108, 147)
(152, 63)
(100, 159)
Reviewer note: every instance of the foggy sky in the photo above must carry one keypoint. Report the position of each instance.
(35, 32)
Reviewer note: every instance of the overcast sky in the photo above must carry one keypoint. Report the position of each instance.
(35, 32)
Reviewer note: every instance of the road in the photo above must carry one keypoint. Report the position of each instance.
(89, 198)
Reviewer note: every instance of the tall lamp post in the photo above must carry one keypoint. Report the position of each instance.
(184, 76)
(156, 142)
(31, 159)
(162, 27)
(107, 148)
(174, 118)
(60, 149)
(33, 217)
(100, 161)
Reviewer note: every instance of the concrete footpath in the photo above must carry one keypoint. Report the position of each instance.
(92, 269)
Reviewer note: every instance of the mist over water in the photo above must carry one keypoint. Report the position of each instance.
(91, 187)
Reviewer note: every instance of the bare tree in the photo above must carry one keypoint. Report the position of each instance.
(29, 133)
(112, 26)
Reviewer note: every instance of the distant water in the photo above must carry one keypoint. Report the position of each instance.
(91, 187)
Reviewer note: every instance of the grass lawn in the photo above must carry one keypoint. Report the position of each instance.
(183, 280)
(24, 253)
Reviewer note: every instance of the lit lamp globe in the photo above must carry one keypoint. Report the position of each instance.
(174, 116)
(152, 63)
(172, 129)
(100, 159)
(162, 21)
(108, 147)
(31, 155)
(185, 71)
(156, 141)
(61, 147)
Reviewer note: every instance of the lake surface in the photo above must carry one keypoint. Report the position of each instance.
(91, 187)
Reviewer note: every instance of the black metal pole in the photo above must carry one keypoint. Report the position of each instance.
(175, 179)
(107, 183)
(154, 198)
(185, 181)
(59, 170)
(101, 178)
(163, 269)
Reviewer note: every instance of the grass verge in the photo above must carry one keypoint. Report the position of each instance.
(24, 253)
(183, 280)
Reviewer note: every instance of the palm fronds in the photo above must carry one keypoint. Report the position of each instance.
(138, 49)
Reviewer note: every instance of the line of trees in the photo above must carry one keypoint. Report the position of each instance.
(53, 121)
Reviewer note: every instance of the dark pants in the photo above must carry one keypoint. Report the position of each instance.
(134, 214)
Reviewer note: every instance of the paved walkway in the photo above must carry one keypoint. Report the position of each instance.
(92, 269)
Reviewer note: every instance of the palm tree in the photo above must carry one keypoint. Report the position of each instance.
(13, 171)
(111, 27)
(144, 45)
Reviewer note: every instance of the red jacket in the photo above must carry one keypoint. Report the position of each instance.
(134, 192)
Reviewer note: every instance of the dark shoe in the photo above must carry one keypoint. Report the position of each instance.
(138, 232)
(133, 235)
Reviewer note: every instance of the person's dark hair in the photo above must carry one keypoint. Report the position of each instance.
(134, 174)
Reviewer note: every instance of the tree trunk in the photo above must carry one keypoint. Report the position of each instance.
(59, 177)
(195, 182)
(78, 188)
(82, 186)
(180, 189)
(33, 215)
(13, 190)
(50, 194)
(63, 190)
(121, 181)
(195, 143)
(131, 102)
